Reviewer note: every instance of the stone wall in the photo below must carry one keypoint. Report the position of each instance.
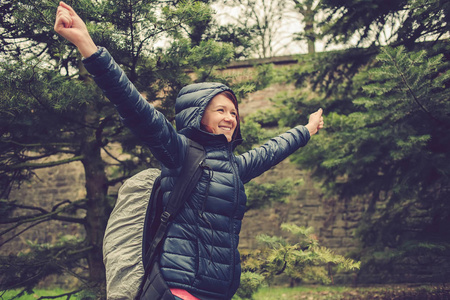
(333, 221)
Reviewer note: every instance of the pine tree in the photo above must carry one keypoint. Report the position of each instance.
(393, 152)
(386, 140)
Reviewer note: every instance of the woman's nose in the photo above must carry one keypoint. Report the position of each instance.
(228, 117)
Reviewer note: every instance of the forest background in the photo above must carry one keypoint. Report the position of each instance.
(382, 78)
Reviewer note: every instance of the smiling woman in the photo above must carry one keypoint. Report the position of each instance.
(221, 116)
(199, 254)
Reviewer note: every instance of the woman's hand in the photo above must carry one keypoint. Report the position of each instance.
(315, 122)
(70, 26)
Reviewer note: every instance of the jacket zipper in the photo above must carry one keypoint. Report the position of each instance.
(236, 204)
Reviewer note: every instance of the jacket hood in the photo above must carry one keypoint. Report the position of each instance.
(190, 105)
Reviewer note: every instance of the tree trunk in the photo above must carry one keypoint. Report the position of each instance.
(309, 28)
(96, 194)
(96, 216)
(305, 8)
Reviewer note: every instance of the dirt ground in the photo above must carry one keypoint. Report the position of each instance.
(370, 292)
(385, 292)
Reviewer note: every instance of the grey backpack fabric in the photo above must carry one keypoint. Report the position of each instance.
(122, 243)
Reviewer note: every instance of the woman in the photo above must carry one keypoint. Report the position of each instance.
(199, 258)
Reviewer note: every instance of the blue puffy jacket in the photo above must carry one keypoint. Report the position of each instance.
(200, 253)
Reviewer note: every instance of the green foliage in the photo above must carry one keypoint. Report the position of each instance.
(39, 294)
(361, 28)
(239, 36)
(260, 195)
(374, 23)
(403, 119)
(265, 118)
(386, 138)
(31, 94)
(253, 135)
(302, 259)
(250, 284)
(393, 151)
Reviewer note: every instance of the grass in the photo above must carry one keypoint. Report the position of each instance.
(398, 292)
(37, 294)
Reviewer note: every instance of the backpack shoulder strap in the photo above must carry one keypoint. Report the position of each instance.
(185, 183)
(189, 175)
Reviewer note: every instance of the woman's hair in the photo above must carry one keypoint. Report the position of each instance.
(230, 96)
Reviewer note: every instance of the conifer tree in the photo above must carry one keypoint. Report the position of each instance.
(386, 143)
(392, 152)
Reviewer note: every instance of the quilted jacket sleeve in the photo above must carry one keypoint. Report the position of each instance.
(255, 162)
(136, 113)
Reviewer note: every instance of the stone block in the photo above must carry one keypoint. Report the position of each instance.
(350, 242)
(339, 232)
(353, 217)
(325, 233)
(319, 218)
(332, 242)
(339, 222)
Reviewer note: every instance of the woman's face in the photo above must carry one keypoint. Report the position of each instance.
(220, 117)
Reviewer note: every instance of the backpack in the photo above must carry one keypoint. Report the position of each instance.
(138, 224)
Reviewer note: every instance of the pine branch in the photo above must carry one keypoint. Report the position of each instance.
(52, 111)
(83, 279)
(24, 283)
(279, 272)
(20, 294)
(80, 251)
(18, 233)
(112, 156)
(40, 165)
(59, 144)
(48, 216)
(117, 180)
(408, 86)
(27, 207)
(68, 295)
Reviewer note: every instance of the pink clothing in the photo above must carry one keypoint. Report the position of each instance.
(183, 294)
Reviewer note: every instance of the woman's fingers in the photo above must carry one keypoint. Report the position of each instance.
(64, 17)
(320, 123)
(68, 8)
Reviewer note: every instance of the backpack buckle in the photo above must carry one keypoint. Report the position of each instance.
(165, 217)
